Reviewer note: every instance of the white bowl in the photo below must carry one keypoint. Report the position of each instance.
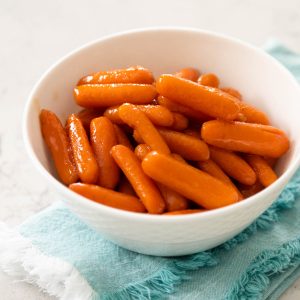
(262, 81)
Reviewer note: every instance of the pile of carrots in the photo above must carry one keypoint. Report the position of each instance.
(177, 145)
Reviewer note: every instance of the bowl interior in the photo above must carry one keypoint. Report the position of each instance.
(262, 81)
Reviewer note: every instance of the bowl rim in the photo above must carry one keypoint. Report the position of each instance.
(114, 212)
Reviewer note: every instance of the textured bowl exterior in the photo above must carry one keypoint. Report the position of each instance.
(260, 79)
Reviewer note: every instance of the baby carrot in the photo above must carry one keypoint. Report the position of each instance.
(103, 138)
(233, 165)
(84, 157)
(57, 141)
(270, 160)
(192, 132)
(87, 115)
(210, 167)
(173, 200)
(188, 73)
(233, 92)
(183, 212)
(263, 171)
(141, 183)
(142, 150)
(102, 95)
(188, 181)
(108, 197)
(125, 187)
(179, 108)
(187, 146)
(245, 137)
(180, 122)
(251, 114)
(209, 79)
(122, 137)
(131, 75)
(137, 119)
(137, 137)
(157, 114)
(208, 100)
(250, 190)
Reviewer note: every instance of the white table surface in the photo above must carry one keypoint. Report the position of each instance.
(34, 34)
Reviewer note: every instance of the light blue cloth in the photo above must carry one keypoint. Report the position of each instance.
(259, 263)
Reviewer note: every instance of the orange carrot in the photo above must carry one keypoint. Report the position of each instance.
(263, 171)
(188, 181)
(233, 165)
(250, 190)
(184, 212)
(108, 197)
(210, 167)
(103, 138)
(157, 114)
(57, 141)
(245, 137)
(125, 187)
(233, 92)
(122, 137)
(141, 183)
(209, 79)
(131, 115)
(187, 146)
(102, 95)
(84, 157)
(142, 150)
(208, 100)
(87, 115)
(188, 73)
(192, 132)
(251, 114)
(179, 108)
(131, 75)
(180, 122)
(270, 160)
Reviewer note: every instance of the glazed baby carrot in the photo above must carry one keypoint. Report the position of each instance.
(103, 138)
(84, 157)
(187, 146)
(233, 165)
(184, 212)
(131, 75)
(188, 181)
(210, 167)
(108, 197)
(180, 122)
(251, 114)
(209, 79)
(137, 119)
(192, 132)
(233, 92)
(187, 111)
(157, 114)
(142, 150)
(102, 95)
(188, 73)
(173, 200)
(125, 187)
(208, 100)
(87, 115)
(263, 171)
(122, 137)
(250, 190)
(141, 183)
(245, 137)
(57, 141)
(137, 137)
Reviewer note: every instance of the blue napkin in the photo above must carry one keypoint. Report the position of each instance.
(64, 257)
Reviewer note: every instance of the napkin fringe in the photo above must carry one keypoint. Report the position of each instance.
(165, 281)
(20, 259)
(256, 279)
